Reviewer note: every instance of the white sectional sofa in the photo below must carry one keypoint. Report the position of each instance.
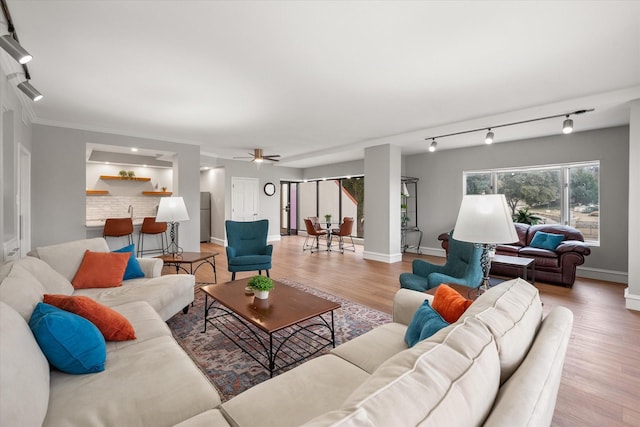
(500, 364)
(149, 381)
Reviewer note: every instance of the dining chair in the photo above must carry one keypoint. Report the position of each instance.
(314, 234)
(118, 227)
(345, 230)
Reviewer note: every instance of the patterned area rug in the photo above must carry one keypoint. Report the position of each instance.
(230, 369)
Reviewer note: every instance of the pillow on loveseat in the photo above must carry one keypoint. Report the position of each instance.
(133, 270)
(113, 325)
(449, 303)
(549, 241)
(101, 270)
(426, 322)
(71, 343)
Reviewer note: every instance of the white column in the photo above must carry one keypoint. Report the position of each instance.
(632, 293)
(382, 170)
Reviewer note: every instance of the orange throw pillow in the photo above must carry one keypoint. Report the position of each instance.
(101, 270)
(113, 325)
(449, 303)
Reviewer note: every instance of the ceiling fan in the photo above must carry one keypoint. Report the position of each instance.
(258, 157)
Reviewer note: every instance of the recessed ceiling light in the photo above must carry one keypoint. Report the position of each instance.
(134, 149)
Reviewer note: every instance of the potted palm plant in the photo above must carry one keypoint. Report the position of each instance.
(261, 286)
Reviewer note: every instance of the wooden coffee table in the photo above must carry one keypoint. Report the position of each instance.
(278, 332)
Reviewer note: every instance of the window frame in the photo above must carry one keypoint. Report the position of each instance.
(565, 169)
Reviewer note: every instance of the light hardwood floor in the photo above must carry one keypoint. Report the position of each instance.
(601, 379)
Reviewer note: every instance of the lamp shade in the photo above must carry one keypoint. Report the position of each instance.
(172, 209)
(485, 219)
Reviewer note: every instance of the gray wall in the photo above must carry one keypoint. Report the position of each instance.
(59, 174)
(441, 186)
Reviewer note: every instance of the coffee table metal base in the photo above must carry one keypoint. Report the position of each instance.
(276, 350)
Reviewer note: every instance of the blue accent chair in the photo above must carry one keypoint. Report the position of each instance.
(462, 268)
(247, 248)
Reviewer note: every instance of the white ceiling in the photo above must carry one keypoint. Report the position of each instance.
(319, 81)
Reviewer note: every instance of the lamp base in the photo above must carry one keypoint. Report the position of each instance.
(173, 248)
(485, 262)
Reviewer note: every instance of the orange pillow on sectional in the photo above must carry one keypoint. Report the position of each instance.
(113, 325)
(449, 303)
(101, 270)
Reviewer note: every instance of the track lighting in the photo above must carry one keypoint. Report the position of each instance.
(489, 138)
(13, 48)
(30, 91)
(567, 125)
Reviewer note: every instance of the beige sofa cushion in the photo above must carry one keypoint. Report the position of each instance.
(66, 257)
(152, 383)
(145, 321)
(296, 396)
(450, 384)
(52, 281)
(24, 373)
(21, 290)
(211, 418)
(512, 311)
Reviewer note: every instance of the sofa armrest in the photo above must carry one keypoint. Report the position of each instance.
(573, 246)
(151, 267)
(405, 304)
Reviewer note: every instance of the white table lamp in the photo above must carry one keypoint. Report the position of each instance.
(172, 210)
(485, 220)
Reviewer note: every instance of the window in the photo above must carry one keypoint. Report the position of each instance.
(559, 194)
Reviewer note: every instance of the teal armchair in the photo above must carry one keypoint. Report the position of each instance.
(247, 248)
(462, 268)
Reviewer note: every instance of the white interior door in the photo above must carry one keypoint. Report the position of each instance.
(244, 199)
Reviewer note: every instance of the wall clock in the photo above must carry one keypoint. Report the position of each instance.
(269, 189)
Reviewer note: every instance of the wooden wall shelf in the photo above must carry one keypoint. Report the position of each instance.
(157, 193)
(97, 192)
(106, 177)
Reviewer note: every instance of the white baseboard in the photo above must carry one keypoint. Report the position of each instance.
(632, 301)
(387, 258)
(221, 242)
(601, 274)
(274, 238)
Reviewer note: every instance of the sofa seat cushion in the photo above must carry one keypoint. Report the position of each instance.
(153, 383)
(512, 311)
(24, 372)
(166, 294)
(145, 321)
(245, 260)
(66, 257)
(371, 349)
(453, 383)
(531, 252)
(211, 418)
(296, 396)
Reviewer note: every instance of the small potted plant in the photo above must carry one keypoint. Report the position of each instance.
(327, 218)
(261, 286)
(131, 174)
(123, 174)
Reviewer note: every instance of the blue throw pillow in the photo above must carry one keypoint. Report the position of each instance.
(426, 322)
(547, 241)
(133, 270)
(71, 343)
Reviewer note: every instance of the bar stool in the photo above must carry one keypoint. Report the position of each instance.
(150, 226)
(118, 227)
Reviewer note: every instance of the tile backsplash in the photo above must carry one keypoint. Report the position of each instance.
(101, 207)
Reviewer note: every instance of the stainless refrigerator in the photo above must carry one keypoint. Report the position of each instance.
(205, 216)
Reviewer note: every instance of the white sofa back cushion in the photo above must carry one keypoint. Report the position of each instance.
(65, 258)
(24, 373)
(52, 281)
(21, 291)
(452, 384)
(513, 312)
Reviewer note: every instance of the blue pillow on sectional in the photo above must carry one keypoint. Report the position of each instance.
(70, 342)
(426, 322)
(547, 241)
(133, 270)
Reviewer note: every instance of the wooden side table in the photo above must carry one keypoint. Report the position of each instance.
(190, 258)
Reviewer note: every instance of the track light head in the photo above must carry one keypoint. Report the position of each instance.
(567, 125)
(13, 48)
(489, 138)
(433, 145)
(30, 91)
